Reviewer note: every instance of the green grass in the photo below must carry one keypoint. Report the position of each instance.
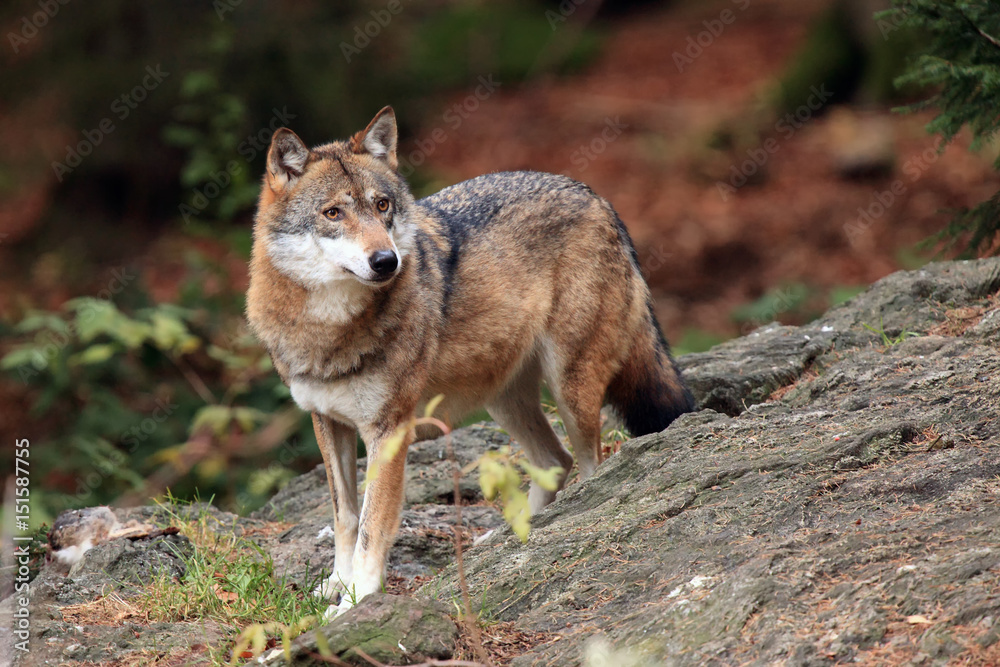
(887, 340)
(232, 581)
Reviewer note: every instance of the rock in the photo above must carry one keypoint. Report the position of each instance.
(391, 629)
(304, 552)
(805, 529)
(129, 563)
(120, 567)
(428, 476)
(833, 501)
(739, 373)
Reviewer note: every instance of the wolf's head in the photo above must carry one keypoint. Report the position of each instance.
(336, 212)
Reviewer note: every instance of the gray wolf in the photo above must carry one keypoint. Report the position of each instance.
(371, 303)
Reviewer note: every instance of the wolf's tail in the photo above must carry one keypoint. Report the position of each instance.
(648, 393)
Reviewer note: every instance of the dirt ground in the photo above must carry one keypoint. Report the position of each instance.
(706, 250)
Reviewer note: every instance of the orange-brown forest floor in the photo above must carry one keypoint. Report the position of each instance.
(705, 252)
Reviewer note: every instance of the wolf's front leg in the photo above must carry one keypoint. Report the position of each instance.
(338, 445)
(379, 516)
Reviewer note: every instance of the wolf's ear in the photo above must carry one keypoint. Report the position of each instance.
(379, 138)
(286, 159)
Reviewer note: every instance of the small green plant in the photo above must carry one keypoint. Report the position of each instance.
(887, 340)
(232, 581)
(499, 477)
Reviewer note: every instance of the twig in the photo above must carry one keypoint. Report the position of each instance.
(430, 663)
(332, 659)
(989, 38)
(193, 379)
(471, 624)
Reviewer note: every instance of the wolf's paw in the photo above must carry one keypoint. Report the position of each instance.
(332, 588)
(333, 611)
(346, 604)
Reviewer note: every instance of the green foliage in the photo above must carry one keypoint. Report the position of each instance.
(207, 127)
(499, 477)
(507, 40)
(784, 299)
(231, 580)
(794, 303)
(695, 340)
(158, 395)
(844, 293)
(831, 57)
(960, 63)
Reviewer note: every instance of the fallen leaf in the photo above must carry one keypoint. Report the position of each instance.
(917, 619)
(224, 595)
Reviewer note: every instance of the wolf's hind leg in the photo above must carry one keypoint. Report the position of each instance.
(338, 445)
(517, 409)
(579, 388)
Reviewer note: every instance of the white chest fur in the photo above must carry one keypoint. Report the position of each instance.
(355, 400)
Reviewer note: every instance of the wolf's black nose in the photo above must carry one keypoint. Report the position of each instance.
(383, 262)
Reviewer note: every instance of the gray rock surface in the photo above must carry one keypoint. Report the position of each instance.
(854, 519)
(388, 628)
(836, 500)
(428, 476)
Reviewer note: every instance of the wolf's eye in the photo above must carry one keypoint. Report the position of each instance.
(332, 213)
(382, 205)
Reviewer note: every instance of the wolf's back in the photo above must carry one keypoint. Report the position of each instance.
(533, 207)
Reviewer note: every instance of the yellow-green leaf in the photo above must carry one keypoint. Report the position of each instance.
(95, 354)
(388, 450)
(21, 356)
(547, 478)
(167, 331)
(517, 513)
(42, 320)
(432, 405)
(247, 417)
(215, 417)
(210, 468)
(323, 645)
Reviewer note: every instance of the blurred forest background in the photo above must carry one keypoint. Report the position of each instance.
(750, 146)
